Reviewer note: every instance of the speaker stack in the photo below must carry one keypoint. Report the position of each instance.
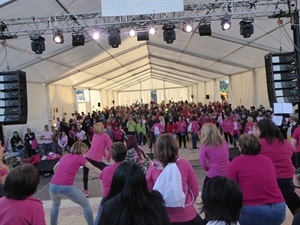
(13, 98)
(282, 78)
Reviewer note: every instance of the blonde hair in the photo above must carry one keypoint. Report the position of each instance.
(79, 148)
(98, 128)
(210, 135)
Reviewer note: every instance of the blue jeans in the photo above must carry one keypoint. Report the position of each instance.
(59, 149)
(140, 138)
(48, 146)
(21, 152)
(194, 140)
(57, 192)
(263, 214)
(97, 220)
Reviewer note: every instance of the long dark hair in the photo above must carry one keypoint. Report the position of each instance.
(136, 204)
(269, 130)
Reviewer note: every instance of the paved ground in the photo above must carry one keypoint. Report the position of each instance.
(70, 213)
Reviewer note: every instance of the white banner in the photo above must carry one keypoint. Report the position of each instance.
(139, 7)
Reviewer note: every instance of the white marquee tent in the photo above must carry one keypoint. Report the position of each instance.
(192, 65)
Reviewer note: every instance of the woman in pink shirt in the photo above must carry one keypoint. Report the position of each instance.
(18, 206)
(62, 182)
(280, 151)
(100, 143)
(181, 125)
(214, 152)
(255, 173)
(194, 132)
(167, 152)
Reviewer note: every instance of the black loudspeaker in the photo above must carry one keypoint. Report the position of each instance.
(13, 98)
(46, 166)
(99, 104)
(113, 101)
(207, 96)
(192, 96)
(282, 78)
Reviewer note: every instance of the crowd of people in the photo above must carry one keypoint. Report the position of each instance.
(253, 188)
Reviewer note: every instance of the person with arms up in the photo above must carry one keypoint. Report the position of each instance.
(62, 182)
(18, 206)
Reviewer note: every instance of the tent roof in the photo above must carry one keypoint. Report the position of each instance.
(189, 60)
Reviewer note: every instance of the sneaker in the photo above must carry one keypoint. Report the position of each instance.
(86, 193)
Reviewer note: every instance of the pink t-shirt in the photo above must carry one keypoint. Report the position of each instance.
(281, 156)
(296, 135)
(256, 176)
(100, 143)
(189, 179)
(67, 169)
(215, 160)
(29, 211)
(47, 136)
(106, 177)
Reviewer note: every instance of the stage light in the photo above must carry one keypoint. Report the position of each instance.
(169, 33)
(37, 44)
(96, 35)
(152, 30)
(114, 38)
(131, 32)
(143, 35)
(246, 28)
(226, 24)
(204, 29)
(58, 37)
(187, 26)
(78, 39)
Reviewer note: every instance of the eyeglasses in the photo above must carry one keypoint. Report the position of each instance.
(294, 186)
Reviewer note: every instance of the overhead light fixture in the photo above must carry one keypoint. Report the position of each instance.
(58, 37)
(131, 32)
(152, 30)
(169, 33)
(78, 39)
(114, 38)
(246, 28)
(96, 34)
(37, 44)
(187, 26)
(143, 35)
(204, 29)
(226, 24)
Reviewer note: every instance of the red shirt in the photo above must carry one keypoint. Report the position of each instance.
(256, 177)
(172, 128)
(280, 154)
(296, 135)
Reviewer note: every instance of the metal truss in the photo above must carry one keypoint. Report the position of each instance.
(201, 12)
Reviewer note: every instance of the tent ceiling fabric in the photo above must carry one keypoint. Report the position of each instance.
(189, 60)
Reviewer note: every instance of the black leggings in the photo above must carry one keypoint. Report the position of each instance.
(99, 165)
(196, 221)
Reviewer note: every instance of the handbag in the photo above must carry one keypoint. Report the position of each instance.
(138, 157)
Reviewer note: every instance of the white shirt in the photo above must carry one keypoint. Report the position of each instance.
(220, 223)
(47, 136)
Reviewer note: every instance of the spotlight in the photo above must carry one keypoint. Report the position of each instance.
(246, 28)
(226, 24)
(143, 35)
(58, 37)
(169, 33)
(152, 30)
(204, 29)
(114, 38)
(187, 27)
(37, 44)
(78, 39)
(132, 32)
(96, 35)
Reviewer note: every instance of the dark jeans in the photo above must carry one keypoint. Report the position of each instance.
(151, 139)
(99, 165)
(194, 140)
(291, 198)
(181, 138)
(228, 137)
